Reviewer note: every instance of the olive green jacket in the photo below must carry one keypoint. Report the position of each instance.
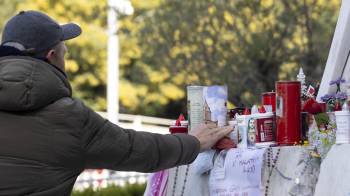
(47, 138)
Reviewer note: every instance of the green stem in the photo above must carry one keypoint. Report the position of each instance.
(338, 88)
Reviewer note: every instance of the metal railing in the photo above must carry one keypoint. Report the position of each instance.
(143, 123)
(102, 178)
(142, 119)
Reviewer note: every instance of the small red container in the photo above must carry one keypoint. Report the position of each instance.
(182, 128)
(265, 127)
(178, 129)
(269, 98)
(288, 113)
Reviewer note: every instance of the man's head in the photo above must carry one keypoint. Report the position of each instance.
(38, 35)
(56, 55)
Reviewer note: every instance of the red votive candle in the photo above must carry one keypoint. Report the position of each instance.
(182, 128)
(288, 113)
(269, 99)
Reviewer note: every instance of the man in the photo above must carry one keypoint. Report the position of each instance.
(48, 138)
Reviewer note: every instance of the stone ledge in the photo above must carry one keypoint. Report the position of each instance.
(335, 172)
(290, 163)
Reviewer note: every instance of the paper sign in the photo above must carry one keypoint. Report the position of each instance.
(242, 174)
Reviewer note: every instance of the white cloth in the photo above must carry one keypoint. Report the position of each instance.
(204, 162)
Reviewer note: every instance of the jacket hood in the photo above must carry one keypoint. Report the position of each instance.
(28, 83)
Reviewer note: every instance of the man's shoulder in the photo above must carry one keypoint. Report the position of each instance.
(68, 110)
(71, 112)
(67, 104)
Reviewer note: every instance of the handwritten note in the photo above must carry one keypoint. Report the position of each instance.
(242, 177)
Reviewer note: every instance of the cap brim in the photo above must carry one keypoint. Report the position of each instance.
(70, 31)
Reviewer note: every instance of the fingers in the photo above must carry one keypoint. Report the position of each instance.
(209, 134)
(222, 131)
(211, 124)
(211, 129)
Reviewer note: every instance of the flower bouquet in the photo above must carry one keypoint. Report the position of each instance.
(322, 133)
(334, 101)
(322, 124)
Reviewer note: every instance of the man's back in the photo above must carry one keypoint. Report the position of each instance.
(30, 148)
(40, 148)
(48, 138)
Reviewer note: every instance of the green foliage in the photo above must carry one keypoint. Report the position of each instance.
(169, 44)
(8, 9)
(127, 190)
(247, 45)
(86, 60)
(322, 119)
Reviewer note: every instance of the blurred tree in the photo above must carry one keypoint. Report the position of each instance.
(169, 44)
(246, 44)
(9, 8)
(86, 58)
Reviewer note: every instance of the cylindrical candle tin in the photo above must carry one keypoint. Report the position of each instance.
(234, 133)
(269, 100)
(265, 127)
(343, 127)
(288, 116)
(242, 128)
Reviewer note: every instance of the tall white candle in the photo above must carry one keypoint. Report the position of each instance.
(343, 126)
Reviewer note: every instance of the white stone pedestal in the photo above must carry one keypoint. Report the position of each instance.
(290, 163)
(334, 178)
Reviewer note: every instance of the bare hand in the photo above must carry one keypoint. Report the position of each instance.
(209, 134)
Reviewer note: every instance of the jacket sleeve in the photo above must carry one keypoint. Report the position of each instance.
(109, 146)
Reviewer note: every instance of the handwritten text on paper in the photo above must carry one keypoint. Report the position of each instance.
(242, 168)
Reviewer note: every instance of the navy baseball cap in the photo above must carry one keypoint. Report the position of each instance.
(37, 32)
